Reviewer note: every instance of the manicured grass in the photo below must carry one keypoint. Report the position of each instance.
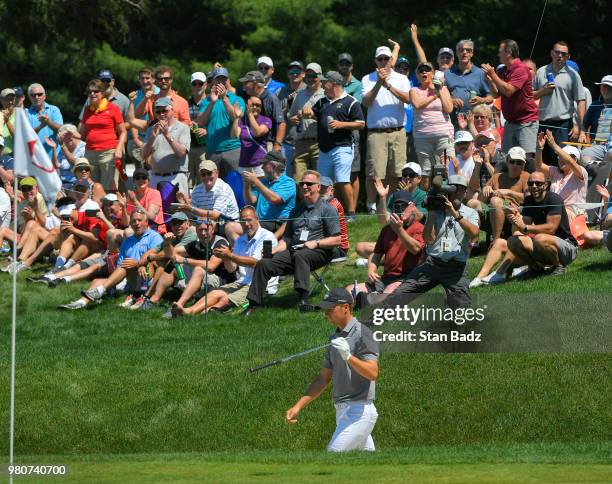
(111, 381)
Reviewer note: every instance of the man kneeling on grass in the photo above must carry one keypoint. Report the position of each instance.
(131, 265)
(248, 249)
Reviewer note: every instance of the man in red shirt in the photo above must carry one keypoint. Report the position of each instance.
(327, 194)
(399, 248)
(513, 82)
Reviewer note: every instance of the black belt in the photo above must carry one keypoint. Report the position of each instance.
(386, 130)
(169, 174)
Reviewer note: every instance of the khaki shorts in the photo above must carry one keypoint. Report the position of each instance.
(305, 157)
(430, 151)
(236, 292)
(386, 154)
(103, 168)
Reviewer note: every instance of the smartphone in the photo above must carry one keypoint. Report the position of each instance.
(65, 218)
(267, 249)
(176, 205)
(91, 213)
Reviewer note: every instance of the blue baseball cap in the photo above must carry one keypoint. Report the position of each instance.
(105, 75)
(19, 91)
(163, 102)
(326, 181)
(220, 71)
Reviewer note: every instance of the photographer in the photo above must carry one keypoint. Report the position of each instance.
(448, 231)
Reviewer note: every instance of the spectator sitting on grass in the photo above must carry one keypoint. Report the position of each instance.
(399, 244)
(131, 265)
(541, 237)
(274, 196)
(248, 249)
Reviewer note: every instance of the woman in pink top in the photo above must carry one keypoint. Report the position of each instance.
(432, 128)
(570, 180)
(147, 199)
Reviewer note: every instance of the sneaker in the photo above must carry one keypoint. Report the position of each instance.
(556, 271)
(494, 278)
(78, 304)
(519, 271)
(476, 282)
(530, 274)
(9, 266)
(146, 304)
(92, 294)
(137, 303)
(41, 279)
(168, 314)
(19, 267)
(371, 211)
(129, 301)
(361, 262)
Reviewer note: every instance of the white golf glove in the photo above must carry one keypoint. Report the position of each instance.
(341, 344)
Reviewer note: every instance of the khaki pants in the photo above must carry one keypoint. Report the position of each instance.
(195, 152)
(103, 168)
(305, 157)
(386, 154)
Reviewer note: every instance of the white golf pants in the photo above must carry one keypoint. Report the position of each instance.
(354, 424)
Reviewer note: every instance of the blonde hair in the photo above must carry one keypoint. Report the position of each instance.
(67, 127)
(483, 109)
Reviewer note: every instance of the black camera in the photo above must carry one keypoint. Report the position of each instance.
(435, 196)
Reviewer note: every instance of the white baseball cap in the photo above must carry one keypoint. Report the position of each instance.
(607, 80)
(265, 60)
(67, 209)
(198, 76)
(313, 66)
(572, 151)
(382, 50)
(111, 197)
(415, 167)
(517, 153)
(463, 137)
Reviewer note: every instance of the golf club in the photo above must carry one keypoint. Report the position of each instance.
(287, 358)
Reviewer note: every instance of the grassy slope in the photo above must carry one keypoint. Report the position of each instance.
(115, 381)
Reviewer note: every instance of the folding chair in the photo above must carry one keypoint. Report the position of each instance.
(599, 174)
(338, 258)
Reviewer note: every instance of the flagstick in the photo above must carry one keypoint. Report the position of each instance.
(13, 328)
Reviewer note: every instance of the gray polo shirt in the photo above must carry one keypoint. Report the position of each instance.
(350, 386)
(568, 88)
(164, 158)
(319, 220)
(308, 127)
(450, 233)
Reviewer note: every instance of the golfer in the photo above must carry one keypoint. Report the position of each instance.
(352, 362)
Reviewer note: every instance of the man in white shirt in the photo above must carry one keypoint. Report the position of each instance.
(213, 199)
(384, 93)
(463, 163)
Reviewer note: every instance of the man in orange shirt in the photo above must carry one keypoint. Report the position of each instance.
(163, 79)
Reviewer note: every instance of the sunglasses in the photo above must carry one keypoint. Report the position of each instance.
(161, 111)
(178, 222)
(425, 69)
(480, 116)
(561, 53)
(512, 161)
(204, 173)
(197, 83)
(82, 169)
(95, 91)
(535, 183)
(295, 72)
(410, 175)
(463, 49)
(312, 76)
(445, 56)
(308, 184)
(37, 94)
(141, 177)
(263, 67)
(382, 58)
(165, 78)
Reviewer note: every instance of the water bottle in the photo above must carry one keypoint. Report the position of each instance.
(329, 120)
(473, 94)
(146, 281)
(180, 273)
(194, 130)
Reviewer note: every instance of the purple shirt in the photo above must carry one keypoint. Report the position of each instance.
(253, 149)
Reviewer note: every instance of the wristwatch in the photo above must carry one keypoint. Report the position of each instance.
(458, 218)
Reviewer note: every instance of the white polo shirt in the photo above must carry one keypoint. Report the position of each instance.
(220, 198)
(387, 111)
(251, 248)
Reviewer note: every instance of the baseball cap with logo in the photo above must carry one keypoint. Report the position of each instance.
(517, 153)
(220, 71)
(337, 295)
(463, 137)
(446, 50)
(412, 167)
(382, 50)
(265, 60)
(314, 67)
(105, 75)
(345, 57)
(572, 151)
(606, 80)
(253, 76)
(333, 76)
(198, 76)
(207, 165)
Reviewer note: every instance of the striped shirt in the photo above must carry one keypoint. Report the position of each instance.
(220, 198)
(344, 241)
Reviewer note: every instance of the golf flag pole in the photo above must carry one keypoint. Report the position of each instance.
(287, 358)
(13, 339)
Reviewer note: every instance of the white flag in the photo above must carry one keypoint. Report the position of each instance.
(31, 159)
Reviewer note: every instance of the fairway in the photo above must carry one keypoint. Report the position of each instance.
(128, 396)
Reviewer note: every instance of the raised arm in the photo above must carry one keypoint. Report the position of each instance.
(421, 57)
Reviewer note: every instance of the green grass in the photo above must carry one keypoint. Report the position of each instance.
(108, 381)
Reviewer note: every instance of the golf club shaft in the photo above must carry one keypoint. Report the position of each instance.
(287, 358)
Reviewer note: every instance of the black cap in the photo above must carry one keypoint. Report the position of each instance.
(402, 60)
(296, 63)
(80, 183)
(334, 77)
(18, 91)
(338, 295)
(345, 56)
(403, 196)
(140, 171)
(275, 156)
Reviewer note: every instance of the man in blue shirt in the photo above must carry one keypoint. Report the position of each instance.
(266, 67)
(217, 116)
(466, 82)
(131, 264)
(45, 118)
(273, 197)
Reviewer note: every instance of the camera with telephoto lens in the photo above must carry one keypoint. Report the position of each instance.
(439, 189)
